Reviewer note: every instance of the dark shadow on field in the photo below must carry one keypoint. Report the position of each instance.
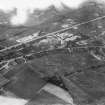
(25, 83)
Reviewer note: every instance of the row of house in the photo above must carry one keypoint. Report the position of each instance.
(27, 38)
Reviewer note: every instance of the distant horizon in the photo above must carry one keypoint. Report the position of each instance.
(26, 7)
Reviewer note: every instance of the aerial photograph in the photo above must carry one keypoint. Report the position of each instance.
(52, 52)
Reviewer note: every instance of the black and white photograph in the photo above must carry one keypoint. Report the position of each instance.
(52, 52)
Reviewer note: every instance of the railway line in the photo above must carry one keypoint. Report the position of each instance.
(53, 33)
